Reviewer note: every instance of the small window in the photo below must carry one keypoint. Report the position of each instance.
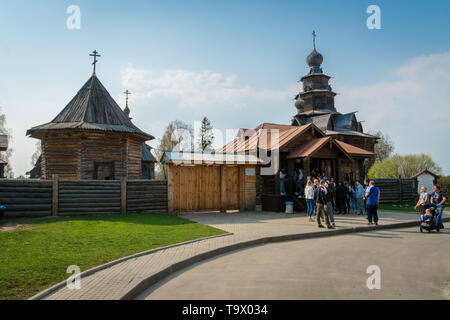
(318, 102)
(104, 170)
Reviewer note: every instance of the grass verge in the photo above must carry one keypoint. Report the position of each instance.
(36, 255)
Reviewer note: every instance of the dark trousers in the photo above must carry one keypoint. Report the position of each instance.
(372, 213)
(341, 205)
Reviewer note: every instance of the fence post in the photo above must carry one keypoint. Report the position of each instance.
(400, 189)
(55, 193)
(123, 195)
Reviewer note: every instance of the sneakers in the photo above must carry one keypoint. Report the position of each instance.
(321, 226)
(331, 227)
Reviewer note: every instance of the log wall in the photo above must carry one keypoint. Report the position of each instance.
(26, 198)
(395, 190)
(147, 196)
(38, 198)
(72, 155)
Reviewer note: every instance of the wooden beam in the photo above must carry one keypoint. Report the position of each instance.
(55, 193)
(223, 189)
(123, 195)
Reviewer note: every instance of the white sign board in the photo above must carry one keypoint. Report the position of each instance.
(250, 171)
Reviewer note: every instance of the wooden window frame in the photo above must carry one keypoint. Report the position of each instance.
(98, 163)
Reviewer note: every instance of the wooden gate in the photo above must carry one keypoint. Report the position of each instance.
(214, 187)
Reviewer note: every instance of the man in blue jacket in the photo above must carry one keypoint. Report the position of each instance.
(372, 201)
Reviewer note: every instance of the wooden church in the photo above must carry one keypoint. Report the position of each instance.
(318, 138)
(92, 138)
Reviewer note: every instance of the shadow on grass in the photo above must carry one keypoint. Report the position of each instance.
(160, 219)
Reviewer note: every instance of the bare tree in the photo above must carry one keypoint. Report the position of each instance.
(36, 154)
(384, 146)
(177, 136)
(6, 156)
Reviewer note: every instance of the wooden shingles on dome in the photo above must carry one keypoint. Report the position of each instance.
(92, 109)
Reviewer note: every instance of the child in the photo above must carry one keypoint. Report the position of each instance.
(427, 217)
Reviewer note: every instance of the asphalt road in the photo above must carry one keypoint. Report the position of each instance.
(413, 265)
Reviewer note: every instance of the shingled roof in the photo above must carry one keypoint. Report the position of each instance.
(92, 109)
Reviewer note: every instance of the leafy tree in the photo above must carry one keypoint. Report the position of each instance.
(384, 146)
(206, 136)
(177, 136)
(36, 154)
(5, 156)
(399, 166)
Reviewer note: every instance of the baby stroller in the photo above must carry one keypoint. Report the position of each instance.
(428, 223)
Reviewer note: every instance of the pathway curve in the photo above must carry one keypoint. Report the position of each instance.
(120, 280)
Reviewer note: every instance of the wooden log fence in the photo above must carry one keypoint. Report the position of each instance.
(39, 198)
(397, 190)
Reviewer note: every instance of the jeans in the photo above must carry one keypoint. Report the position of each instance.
(282, 190)
(330, 211)
(366, 209)
(310, 207)
(355, 203)
(373, 213)
(361, 205)
(440, 212)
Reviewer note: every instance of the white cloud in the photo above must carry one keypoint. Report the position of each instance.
(194, 90)
(413, 108)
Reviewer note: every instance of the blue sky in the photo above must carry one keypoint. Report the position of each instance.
(236, 62)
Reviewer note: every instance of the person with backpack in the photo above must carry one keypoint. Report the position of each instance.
(322, 206)
(373, 199)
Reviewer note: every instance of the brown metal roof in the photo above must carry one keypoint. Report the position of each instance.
(309, 148)
(92, 108)
(261, 137)
(354, 151)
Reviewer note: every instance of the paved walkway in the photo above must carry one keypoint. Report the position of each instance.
(273, 272)
(116, 281)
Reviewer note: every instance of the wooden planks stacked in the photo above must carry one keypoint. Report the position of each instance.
(72, 155)
(146, 196)
(134, 159)
(89, 197)
(61, 155)
(102, 148)
(26, 198)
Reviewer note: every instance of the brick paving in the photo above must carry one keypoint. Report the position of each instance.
(115, 281)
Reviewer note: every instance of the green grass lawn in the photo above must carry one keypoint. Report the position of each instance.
(37, 255)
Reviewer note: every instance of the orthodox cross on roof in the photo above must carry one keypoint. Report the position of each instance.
(314, 39)
(95, 55)
(127, 110)
(127, 93)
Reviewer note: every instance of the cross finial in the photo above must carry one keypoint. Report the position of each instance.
(95, 55)
(314, 39)
(127, 93)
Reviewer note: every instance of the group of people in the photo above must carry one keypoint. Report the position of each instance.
(325, 198)
(438, 198)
